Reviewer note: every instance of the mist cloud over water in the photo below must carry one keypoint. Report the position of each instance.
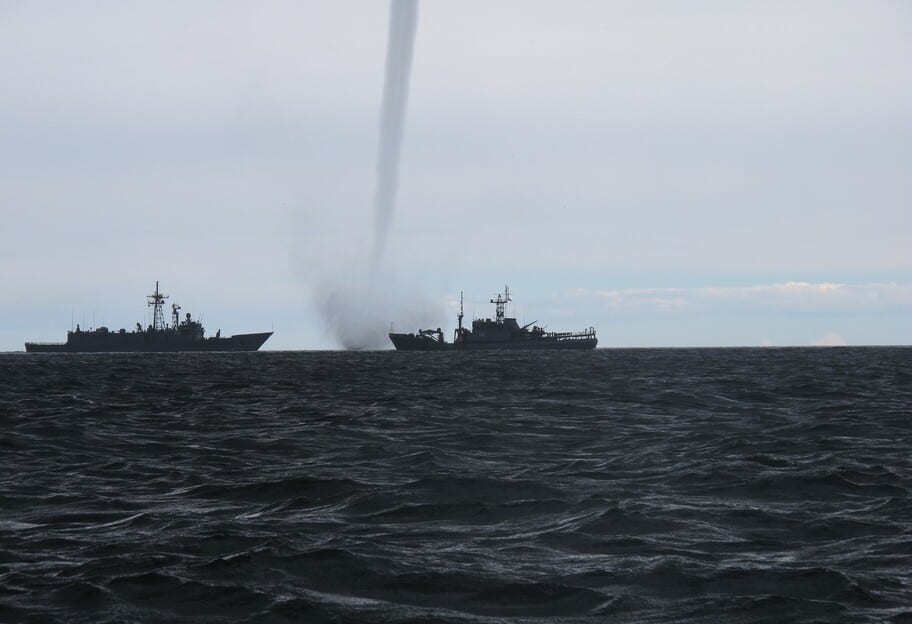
(399, 52)
(360, 309)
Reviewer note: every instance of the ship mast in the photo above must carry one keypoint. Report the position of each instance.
(157, 300)
(459, 334)
(460, 315)
(499, 304)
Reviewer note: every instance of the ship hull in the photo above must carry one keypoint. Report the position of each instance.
(411, 342)
(149, 342)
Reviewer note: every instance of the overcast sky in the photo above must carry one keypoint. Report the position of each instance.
(676, 174)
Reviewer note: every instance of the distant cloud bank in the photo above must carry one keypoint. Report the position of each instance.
(830, 339)
(787, 296)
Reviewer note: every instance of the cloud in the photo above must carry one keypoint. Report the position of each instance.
(785, 296)
(830, 339)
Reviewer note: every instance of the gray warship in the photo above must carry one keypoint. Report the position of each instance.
(181, 335)
(501, 332)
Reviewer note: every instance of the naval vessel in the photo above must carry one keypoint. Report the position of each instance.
(184, 334)
(501, 332)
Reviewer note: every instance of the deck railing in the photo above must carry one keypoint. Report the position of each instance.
(583, 335)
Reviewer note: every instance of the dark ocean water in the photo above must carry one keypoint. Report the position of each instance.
(729, 485)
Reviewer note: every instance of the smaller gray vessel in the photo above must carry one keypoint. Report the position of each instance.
(181, 335)
(498, 333)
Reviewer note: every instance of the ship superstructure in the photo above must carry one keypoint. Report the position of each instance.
(501, 332)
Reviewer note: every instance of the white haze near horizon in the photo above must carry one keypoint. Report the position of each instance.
(664, 171)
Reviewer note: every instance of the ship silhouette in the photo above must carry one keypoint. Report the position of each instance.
(501, 332)
(184, 334)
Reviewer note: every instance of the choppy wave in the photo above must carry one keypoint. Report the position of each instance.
(738, 485)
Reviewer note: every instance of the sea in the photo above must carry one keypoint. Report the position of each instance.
(614, 485)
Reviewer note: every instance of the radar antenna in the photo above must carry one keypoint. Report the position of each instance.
(499, 304)
(175, 317)
(157, 300)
